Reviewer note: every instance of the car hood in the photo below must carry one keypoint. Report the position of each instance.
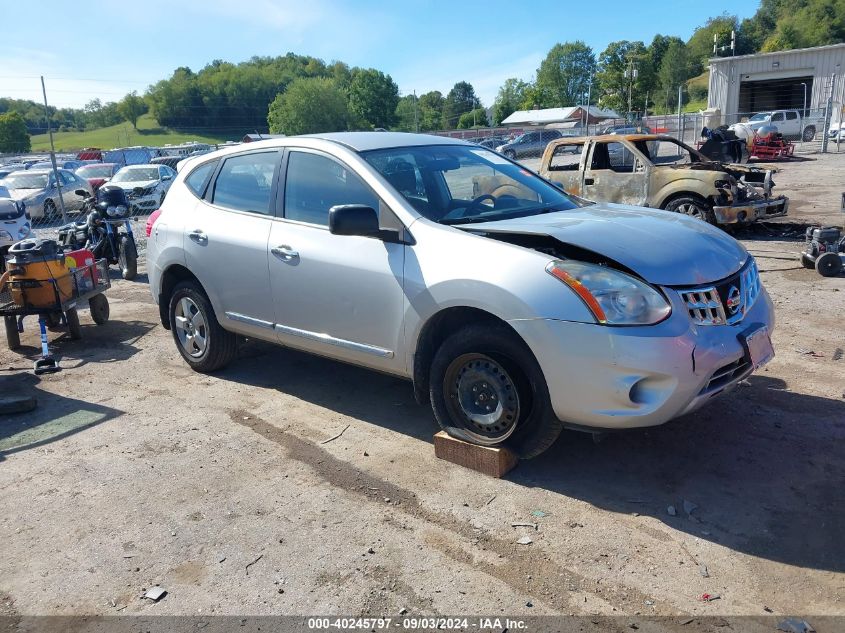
(25, 194)
(131, 184)
(662, 247)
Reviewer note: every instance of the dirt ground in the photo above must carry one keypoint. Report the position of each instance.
(134, 471)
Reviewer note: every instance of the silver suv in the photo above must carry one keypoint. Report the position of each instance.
(513, 307)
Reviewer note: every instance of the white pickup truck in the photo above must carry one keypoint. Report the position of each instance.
(790, 123)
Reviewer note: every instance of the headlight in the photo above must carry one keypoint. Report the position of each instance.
(613, 297)
(117, 211)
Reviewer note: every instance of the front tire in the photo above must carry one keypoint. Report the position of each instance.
(200, 339)
(693, 207)
(127, 258)
(828, 264)
(809, 133)
(50, 211)
(806, 262)
(487, 388)
(99, 307)
(74, 329)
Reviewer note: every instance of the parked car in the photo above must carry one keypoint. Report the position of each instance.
(170, 161)
(37, 189)
(836, 132)
(145, 185)
(70, 165)
(97, 174)
(529, 144)
(5, 170)
(15, 223)
(514, 312)
(492, 142)
(789, 123)
(654, 170)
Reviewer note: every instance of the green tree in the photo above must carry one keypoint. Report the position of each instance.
(431, 110)
(565, 74)
(407, 114)
(308, 106)
(509, 99)
(817, 23)
(474, 118)
(675, 69)
(700, 45)
(461, 99)
(373, 97)
(13, 134)
(131, 107)
(613, 79)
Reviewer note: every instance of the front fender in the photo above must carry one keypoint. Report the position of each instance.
(682, 186)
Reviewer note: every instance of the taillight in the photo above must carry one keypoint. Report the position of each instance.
(151, 221)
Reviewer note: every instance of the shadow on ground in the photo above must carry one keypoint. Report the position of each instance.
(763, 465)
(56, 417)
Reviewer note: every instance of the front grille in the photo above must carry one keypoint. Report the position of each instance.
(725, 302)
(726, 375)
(146, 192)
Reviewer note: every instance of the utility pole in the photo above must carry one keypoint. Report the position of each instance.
(416, 118)
(57, 183)
(680, 126)
(589, 98)
(631, 74)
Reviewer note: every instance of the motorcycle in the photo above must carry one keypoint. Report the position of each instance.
(106, 231)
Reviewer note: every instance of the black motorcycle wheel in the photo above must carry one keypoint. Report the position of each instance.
(127, 258)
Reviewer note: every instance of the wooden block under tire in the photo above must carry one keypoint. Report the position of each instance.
(488, 460)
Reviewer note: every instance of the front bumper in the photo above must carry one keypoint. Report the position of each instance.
(746, 213)
(614, 378)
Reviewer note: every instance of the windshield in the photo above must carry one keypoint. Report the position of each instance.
(762, 116)
(667, 152)
(136, 174)
(456, 184)
(94, 171)
(26, 181)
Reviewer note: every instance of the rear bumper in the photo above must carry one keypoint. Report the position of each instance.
(745, 213)
(615, 378)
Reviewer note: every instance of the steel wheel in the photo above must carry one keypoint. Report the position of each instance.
(191, 327)
(482, 397)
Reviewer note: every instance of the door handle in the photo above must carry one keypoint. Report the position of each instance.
(589, 181)
(198, 236)
(284, 252)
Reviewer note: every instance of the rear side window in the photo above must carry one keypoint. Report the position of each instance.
(198, 179)
(777, 116)
(567, 157)
(791, 116)
(245, 182)
(314, 184)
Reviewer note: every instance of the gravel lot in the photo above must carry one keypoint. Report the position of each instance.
(135, 471)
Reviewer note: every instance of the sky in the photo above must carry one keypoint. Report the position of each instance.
(105, 48)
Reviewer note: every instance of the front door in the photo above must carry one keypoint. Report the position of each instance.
(226, 241)
(615, 173)
(336, 295)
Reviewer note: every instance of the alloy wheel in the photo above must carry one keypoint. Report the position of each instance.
(191, 327)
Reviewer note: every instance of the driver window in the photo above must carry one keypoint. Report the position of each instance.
(777, 116)
(567, 157)
(612, 156)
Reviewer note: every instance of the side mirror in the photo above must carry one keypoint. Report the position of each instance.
(81, 192)
(353, 219)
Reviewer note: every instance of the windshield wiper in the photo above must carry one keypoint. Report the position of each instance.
(521, 213)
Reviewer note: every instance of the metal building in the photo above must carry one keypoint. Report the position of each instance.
(786, 80)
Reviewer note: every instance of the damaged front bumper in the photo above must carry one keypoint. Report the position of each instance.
(757, 210)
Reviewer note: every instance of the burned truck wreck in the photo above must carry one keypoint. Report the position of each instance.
(658, 171)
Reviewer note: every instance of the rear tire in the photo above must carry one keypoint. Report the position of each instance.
(74, 330)
(99, 307)
(806, 262)
(828, 264)
(483, 365)
(127, 258)
(809, 133)
(13, 337)
(693, 207)
(200, 339)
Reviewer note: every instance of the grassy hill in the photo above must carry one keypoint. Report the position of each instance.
(703, 80)
(123, 135)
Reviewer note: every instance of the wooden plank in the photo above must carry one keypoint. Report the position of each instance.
(488, 460)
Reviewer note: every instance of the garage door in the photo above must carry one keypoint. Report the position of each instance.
(774, 94)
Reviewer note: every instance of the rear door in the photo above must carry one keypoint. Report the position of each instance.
(226, 240)
(336, 295)
(615, 172)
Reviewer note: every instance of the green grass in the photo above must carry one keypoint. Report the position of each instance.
(123, 135)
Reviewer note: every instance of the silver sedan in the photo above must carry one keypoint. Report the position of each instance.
(515, 309)
(39, 191)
